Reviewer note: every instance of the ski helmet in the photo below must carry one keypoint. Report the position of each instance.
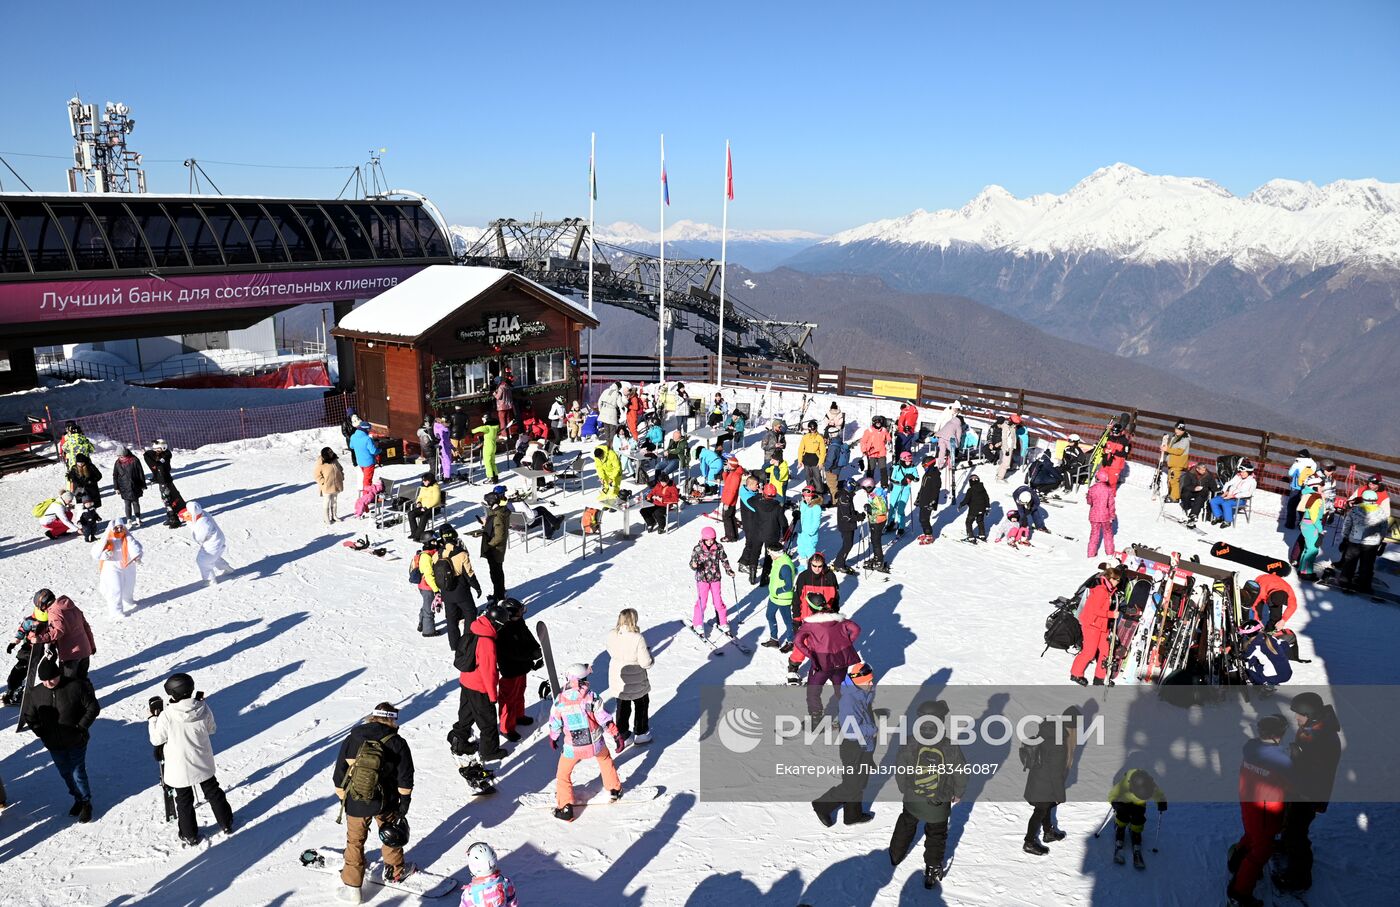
(1250, 627)
(861, 674)
(1308, 704)
(395, 833)
(817, 602)
(577, 671)
(515, 606)
(481, 859)
(43, 598)
(498, 614)
(1141, 785)
(179, 686)
(867, 483)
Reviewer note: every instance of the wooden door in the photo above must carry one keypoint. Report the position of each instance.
(374, 401)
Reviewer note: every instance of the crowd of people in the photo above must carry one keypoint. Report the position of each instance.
(864, 483)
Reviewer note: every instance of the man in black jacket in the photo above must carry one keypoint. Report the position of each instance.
(976, 501)
(461, 427)
(1196, 485)
(456, 581)
(932, 781)
(770, 526)
(847, 519)
(517, 653)
(387, 793)
(130, 481)
(1316, 750)
(495, 534)
(59, 710)
(1048, 769)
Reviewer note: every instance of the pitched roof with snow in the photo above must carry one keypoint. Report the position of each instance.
(412, 308)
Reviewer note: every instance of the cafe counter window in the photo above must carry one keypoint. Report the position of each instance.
(457, 381)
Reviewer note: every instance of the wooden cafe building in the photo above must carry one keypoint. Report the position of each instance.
(440, 339)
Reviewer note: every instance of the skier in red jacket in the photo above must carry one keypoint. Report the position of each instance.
(481, 684)
(1095, 620)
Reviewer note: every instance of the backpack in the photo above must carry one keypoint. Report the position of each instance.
(363, 783)
(590, 520)
(1031, 756)
(1062, 630)
(447, 580)
(465, 660)
(42, 506)
(415, 574)
(928, 780)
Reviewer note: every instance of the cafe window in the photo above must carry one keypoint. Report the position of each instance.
(520, 369)
(549, 367)
(459, 379)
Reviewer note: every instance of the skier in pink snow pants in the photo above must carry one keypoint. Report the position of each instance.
(707, 560)
(1102, 512)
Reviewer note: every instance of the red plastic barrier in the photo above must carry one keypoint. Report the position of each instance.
(296, 374)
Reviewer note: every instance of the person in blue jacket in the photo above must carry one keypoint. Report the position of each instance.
(366, 452)
(856, 721)
(711, 465)
(655, 435)
(901, 478)
(809, 523)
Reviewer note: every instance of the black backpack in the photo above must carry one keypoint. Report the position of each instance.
(445, 576)
(465, 661)
(1032, 755)
(1062, 630)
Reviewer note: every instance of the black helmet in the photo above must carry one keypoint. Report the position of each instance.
(1141, 785)
(515, 607)
(395, 833)
(43, 598)
(447, 532)
(499, 613)
(1308, 704)
(817, 602)
(179, 686)
(491, 499)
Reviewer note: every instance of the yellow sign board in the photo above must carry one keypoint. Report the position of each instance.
(906, 390)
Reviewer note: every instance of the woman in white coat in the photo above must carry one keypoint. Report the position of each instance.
(180, 733)
(117, 553)
(210, 539)
(628, 661)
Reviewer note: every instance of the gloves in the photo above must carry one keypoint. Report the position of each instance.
(538, 663)
(156, 705)
(475, 584)
(1161, 806)
(11, 647)
(404, 801)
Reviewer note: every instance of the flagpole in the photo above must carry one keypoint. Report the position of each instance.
(723, 270)
(592, 196)
(661, 297)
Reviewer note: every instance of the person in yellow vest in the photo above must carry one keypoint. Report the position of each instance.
(777, 471)
(117, 554)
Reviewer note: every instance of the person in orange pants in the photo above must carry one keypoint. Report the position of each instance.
(579, 724)
(1095, 621)
(1264, 770)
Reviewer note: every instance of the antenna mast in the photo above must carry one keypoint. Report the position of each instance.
(102, 161)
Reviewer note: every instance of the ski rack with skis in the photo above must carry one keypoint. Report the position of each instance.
(1197, 621)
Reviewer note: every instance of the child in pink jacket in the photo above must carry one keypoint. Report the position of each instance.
(1102, 512)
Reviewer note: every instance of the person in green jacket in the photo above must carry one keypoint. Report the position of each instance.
(1129, 799)
(782, 584)
(490, 430)
(932, 779)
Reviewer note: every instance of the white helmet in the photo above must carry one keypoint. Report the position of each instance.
(481, 859)
(577, 671)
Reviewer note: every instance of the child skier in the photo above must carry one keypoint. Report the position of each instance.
(901, 477)
(707, 559)
(878, 510)
(809, 523)
(489, 887)
(1015, 533)
(36, 621)
(579, 723)
(1129, 798)
(976, 502)
(89, 520)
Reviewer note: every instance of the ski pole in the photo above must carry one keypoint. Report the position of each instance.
(1157, 835)
(1104, 823)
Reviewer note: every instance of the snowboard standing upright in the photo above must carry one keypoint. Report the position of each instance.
(36, 654)
(542, 634)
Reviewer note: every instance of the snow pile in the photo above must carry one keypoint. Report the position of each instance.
(296, 647)
(1126, 213)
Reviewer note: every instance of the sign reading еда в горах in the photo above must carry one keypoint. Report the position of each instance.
(502, 330)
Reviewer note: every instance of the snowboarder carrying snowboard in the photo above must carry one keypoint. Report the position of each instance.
(183, 731)
(578, 726)
(374, 781)
(1129, 799)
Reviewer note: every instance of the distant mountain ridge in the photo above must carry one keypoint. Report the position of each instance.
(1288, 297)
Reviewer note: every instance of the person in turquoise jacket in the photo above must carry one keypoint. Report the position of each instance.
(902, 477)
(809, 523)
(490, 430)
(711, 465)
(656, 436)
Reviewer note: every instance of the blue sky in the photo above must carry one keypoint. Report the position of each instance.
(839, 113)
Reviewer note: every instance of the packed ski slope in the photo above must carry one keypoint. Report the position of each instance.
(296, 647)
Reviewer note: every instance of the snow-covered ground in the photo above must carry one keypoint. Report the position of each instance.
(308, 635)
(74, 399)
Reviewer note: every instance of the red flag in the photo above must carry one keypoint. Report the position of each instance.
(728, 174)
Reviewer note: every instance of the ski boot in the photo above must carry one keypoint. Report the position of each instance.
(786, 647)
(1098, 681)
(792, 678)
(1079, 680)
(925, 540)
(1118, 853)
(932, 876)
(614, 795)
(565, 813)
(770, 643)
(398, 873)
(826, 818)
(1034, 847)
(1138, 862)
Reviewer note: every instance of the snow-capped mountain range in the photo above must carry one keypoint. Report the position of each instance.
(1130, 215)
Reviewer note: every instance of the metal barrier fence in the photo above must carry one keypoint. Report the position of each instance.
(138, 427)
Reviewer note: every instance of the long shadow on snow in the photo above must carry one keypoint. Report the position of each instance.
(732, 888)
(131, 666)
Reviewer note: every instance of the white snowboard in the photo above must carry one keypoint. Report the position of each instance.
(591, 794)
